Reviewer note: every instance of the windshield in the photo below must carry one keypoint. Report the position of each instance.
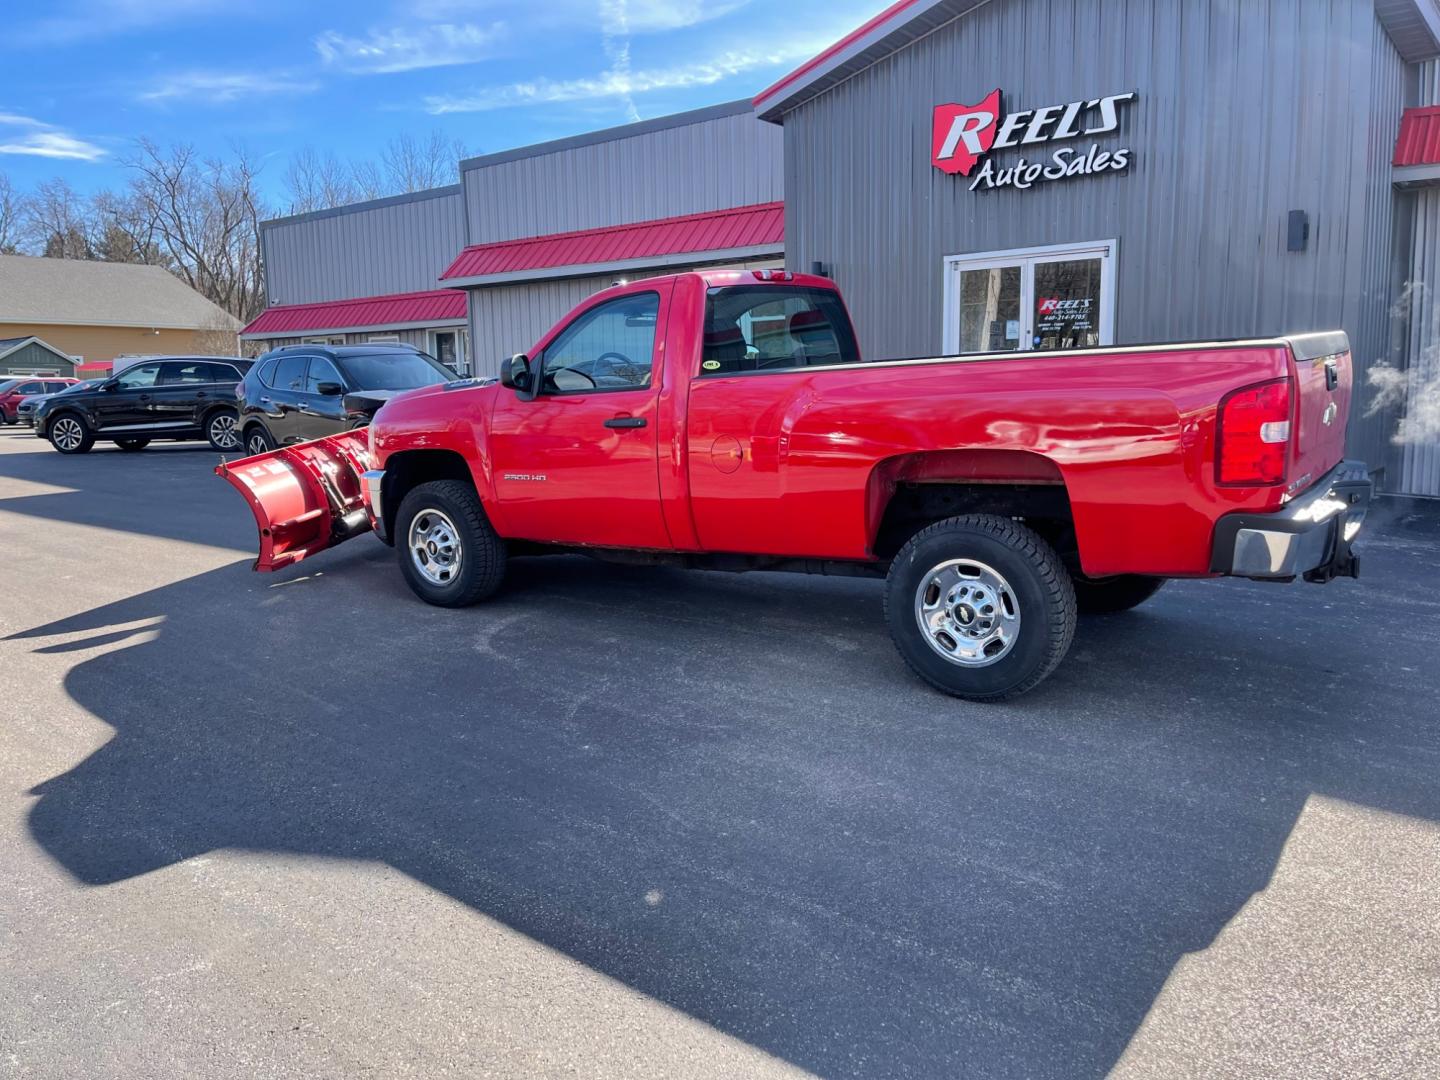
(86, 385)
(394, 370)
(9, 384)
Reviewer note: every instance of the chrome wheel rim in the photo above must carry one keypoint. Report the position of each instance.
(68, 433)
(434, 544)
(222, 432)
(257, 444)
(967, 613)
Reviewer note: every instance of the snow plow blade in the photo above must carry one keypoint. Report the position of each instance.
(305, 498)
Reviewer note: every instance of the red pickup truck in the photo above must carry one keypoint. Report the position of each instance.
(726, 420)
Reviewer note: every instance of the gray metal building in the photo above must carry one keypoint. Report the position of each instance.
(1011, 174)
(596, 204)
(546, 225)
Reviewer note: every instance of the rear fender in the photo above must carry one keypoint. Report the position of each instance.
(305, 498)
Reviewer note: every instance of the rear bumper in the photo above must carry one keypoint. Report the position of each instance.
(1311, 536)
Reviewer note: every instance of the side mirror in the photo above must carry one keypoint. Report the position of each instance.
(108, 386)
(516, 374)
(329, 389)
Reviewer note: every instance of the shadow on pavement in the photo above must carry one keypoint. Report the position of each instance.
(728, 794)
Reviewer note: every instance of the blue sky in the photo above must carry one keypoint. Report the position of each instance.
(84, 78)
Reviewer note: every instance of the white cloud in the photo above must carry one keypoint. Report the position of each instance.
(39, 139)
(219, 87)
(623, 84)
(407, 48)
(651, 16)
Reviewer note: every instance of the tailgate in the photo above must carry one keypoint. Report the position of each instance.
(1323, 387)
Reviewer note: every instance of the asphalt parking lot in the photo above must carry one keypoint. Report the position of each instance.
(625, 822)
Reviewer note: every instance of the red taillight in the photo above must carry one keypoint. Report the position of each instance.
(773, 275)
(1252, 436)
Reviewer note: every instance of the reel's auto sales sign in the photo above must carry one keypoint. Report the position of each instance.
(965, 135)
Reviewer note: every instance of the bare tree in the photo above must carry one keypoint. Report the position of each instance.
(58, 222)
(409, 163)
(318, 182)
(406, 163)
(207, 220)
(126, 230)
(12, 214)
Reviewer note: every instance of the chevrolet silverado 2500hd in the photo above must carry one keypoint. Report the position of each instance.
(725, 420)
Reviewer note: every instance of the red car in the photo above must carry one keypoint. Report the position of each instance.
(726, 420)
(13, 390)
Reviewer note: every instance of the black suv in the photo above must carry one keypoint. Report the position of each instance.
(182, 397)
(301, 392)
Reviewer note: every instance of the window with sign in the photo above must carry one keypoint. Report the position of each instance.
(1050, 298)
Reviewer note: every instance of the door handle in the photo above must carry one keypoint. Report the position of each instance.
(144, 397)
(625, 422)
(200, 394)
(265, 400)
(1332, 375)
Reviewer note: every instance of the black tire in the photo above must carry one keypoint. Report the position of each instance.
(1106, 596)
(61, 433)
(1035, 577)
(257, 440)
(481, 551)
(218, 440)
(132, 445)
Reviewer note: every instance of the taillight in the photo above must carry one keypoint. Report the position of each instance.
(1252, 436)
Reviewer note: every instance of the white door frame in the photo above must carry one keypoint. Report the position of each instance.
(1107, 251)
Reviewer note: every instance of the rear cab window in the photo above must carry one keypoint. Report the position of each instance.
(775, 328)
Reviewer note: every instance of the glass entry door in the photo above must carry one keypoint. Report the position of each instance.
(1059, 297)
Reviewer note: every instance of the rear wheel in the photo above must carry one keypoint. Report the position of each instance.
(980, 607)
(258, 441)
(70, 435)
(132, 444)
(449, 553)
(1106, 596)
(223, 432)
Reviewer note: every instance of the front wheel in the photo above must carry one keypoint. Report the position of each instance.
(69, 435)
(980, 607)
(449, 553)
(223, 432)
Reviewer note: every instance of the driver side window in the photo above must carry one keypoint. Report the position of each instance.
(610, 347)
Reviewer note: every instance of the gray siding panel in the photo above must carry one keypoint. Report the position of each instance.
(710, 165)
(1246, 112)
(393, 247)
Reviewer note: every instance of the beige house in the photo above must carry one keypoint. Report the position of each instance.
(96, 311)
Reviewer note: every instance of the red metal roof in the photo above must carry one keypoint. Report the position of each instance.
(437, 305)
(1419, 141)
(715, 231)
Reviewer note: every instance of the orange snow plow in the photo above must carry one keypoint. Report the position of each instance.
(306, 497)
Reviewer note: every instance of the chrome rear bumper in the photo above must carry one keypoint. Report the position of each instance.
(1311, 536)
